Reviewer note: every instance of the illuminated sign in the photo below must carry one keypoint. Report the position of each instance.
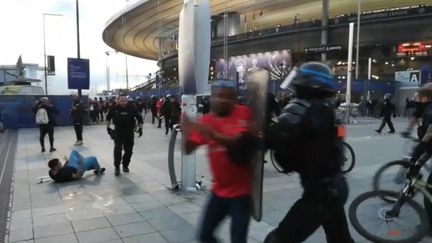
(412, 49)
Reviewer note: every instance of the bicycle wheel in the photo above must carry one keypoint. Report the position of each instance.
(368, 215)
(391, 177)
(277, 166)
(349, 158)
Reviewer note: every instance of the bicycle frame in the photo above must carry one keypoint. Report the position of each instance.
(422, 186)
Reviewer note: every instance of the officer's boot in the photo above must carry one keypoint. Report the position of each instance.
(117, 171)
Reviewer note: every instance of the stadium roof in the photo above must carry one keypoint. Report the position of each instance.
(135, 29)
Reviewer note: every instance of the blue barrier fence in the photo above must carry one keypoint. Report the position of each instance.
(16, 111)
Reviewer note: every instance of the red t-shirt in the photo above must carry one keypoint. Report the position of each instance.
(229, 179)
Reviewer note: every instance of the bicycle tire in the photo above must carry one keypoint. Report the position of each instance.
(419, 233)
(274, 162)
(376, 183)
(353, 159)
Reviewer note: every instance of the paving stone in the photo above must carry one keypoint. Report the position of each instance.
(48, 230)
(68, 238)
(146, 238)
(90, 224)
(127, 218)
(99, 235)
(133, 229)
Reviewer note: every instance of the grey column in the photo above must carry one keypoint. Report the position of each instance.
(324, 27)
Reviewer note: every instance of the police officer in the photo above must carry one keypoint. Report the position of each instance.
(77, 113)
(388, 109)
(305, 141)
(124, 117)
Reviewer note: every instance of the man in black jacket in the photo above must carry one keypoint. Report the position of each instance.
(77, 113)
(124, 117)
(387, 110)
(47, 128)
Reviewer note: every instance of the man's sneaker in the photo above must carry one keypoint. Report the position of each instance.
(78, 143)
(378, 131)
(391, 132)
(43, 150)
(99, 172)
(117, 171)
(52, 150)
(125, 169)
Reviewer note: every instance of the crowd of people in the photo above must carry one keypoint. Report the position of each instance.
(304, 138)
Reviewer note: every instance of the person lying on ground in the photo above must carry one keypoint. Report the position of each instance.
(73, 168)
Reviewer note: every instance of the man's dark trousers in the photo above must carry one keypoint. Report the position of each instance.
(78, 126)
(123, 140)
(386, 120)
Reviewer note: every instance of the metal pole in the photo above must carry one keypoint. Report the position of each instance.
(358, 40)
(127, 73)
(108, 72)
(78, 39)
(369, 68)
(45, 57)
(349, 72)
(324, 27)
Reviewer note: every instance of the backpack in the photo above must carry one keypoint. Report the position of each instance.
(42, 116)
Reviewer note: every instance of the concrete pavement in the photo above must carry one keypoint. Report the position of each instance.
(138, 207)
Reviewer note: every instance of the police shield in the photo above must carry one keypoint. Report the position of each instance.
(257, 89)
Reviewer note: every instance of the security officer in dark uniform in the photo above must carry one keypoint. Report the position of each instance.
(124, 117)
(78, 113)
(305, 141)
(388, 109)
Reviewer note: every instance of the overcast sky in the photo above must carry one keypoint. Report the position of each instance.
(21, 31)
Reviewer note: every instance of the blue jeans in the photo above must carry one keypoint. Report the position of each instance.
(217, 208)
(83, 164)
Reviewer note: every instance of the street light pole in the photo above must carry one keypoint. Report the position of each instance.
(108, 73)
(358, 39)
(44, 48)
(78, 39)
(126, 72)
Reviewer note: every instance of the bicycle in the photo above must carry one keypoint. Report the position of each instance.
(383, 221)
(347, 163)
(391, 176)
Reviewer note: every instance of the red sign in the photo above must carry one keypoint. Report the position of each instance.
(412, 49)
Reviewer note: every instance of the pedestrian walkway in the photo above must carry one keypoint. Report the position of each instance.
(134, 207)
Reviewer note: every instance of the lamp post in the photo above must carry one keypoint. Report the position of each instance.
(107, 53)
(44, 48)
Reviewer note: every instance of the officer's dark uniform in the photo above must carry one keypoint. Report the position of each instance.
(305, 141)
(77, 113)
(124, 122)
(387, 111)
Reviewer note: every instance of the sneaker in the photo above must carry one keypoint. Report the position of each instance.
(391, 132)
(125, 169)
(78, 143)
(52, 150)
(43, 150)
(117, 171)
(99, 172)
(378, 131)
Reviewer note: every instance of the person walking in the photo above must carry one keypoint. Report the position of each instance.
(77, 114)
(153, 108)
(46, 121)
(124, 117)
(388, 109)
(305, 141)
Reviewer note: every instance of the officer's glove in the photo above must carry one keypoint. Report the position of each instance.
(111, 132)
(140, 132)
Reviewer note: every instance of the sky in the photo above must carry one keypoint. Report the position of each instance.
(21, 31)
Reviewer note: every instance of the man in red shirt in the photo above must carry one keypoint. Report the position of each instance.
(226, 131)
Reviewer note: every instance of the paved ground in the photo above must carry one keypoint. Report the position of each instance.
(8, 141)
(137, 207)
